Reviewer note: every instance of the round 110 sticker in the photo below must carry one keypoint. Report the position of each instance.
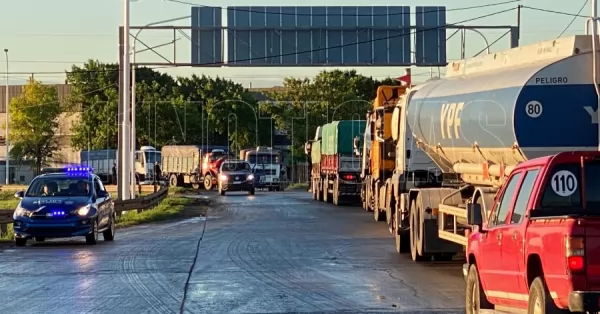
(564, 183)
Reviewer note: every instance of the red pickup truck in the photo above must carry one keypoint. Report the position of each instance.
(539, 248)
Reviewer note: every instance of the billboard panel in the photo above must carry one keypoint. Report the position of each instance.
(318, 36)
(430, 46)
(207, 44)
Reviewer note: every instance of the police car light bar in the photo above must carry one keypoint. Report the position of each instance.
(78, 169)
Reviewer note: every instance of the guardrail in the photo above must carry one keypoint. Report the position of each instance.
(140, 204)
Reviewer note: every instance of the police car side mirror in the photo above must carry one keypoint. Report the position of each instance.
(19, 194)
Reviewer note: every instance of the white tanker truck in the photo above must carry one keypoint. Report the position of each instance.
(485, 116)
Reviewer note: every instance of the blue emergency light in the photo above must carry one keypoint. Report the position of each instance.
(79, 169)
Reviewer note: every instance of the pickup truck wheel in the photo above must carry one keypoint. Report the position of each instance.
(540, 301)
(475, 296)
(251, 191)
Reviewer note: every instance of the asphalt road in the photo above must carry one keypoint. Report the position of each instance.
(275, 252)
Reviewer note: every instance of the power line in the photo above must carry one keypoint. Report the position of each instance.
(295, 53)
(573, 19)
(554, 12)
(339, 14)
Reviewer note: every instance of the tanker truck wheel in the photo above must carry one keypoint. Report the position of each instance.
(415, 233)
(401, 234)
(208, 184)
(389, 213)
(173, 180)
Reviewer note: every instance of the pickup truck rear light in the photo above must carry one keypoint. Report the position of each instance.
(575, 251)
(348, 177)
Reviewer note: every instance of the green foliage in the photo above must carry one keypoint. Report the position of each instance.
(190, 110)
(332, 95)
(33, 122)
(217, 111)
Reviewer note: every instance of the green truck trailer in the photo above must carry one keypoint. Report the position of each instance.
(335, 172)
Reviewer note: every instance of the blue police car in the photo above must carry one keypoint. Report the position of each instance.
(69, 203)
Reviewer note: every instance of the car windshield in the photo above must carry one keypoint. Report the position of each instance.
(263, 158)
(235, 166)
(59, 186)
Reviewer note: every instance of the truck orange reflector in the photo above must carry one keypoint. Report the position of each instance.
(435, 211)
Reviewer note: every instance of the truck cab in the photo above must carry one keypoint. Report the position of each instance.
(538, 248)
(144, 163)
(267, 161)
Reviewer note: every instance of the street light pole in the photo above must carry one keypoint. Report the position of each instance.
(126, 153)
(134, 94)
(7, 165)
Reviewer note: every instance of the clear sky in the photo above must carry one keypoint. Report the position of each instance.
(50, 36)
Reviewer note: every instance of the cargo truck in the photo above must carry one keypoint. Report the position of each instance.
(390, 169)
(102, 162)
(268, 162)
(191, 164)
(335, 169)
(487, 115)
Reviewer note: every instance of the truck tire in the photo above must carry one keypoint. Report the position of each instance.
(540, 301)
(377, 215)
(173, 180)
(401, 235)
(475, 299)
(208, 184)
(415, 235)
(336, 193)
(389, 213)
(325, 193)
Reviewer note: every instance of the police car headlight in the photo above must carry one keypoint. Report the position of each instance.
(22, 212)
(83, 211)
(250, 177)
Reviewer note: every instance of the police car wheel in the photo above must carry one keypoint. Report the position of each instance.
(92, 238)
(109, 234)
(20, 241)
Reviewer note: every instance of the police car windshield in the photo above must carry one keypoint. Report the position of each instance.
(59, 186)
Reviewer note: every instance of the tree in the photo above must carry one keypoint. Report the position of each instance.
(95, 93)
(228, 113)
(34, 121)
(305, 104)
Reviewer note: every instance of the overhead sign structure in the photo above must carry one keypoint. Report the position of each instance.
(430, 33)
(207, 38)
(303, 36)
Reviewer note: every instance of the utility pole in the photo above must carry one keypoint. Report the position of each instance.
(126, 147)
(7, 165)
